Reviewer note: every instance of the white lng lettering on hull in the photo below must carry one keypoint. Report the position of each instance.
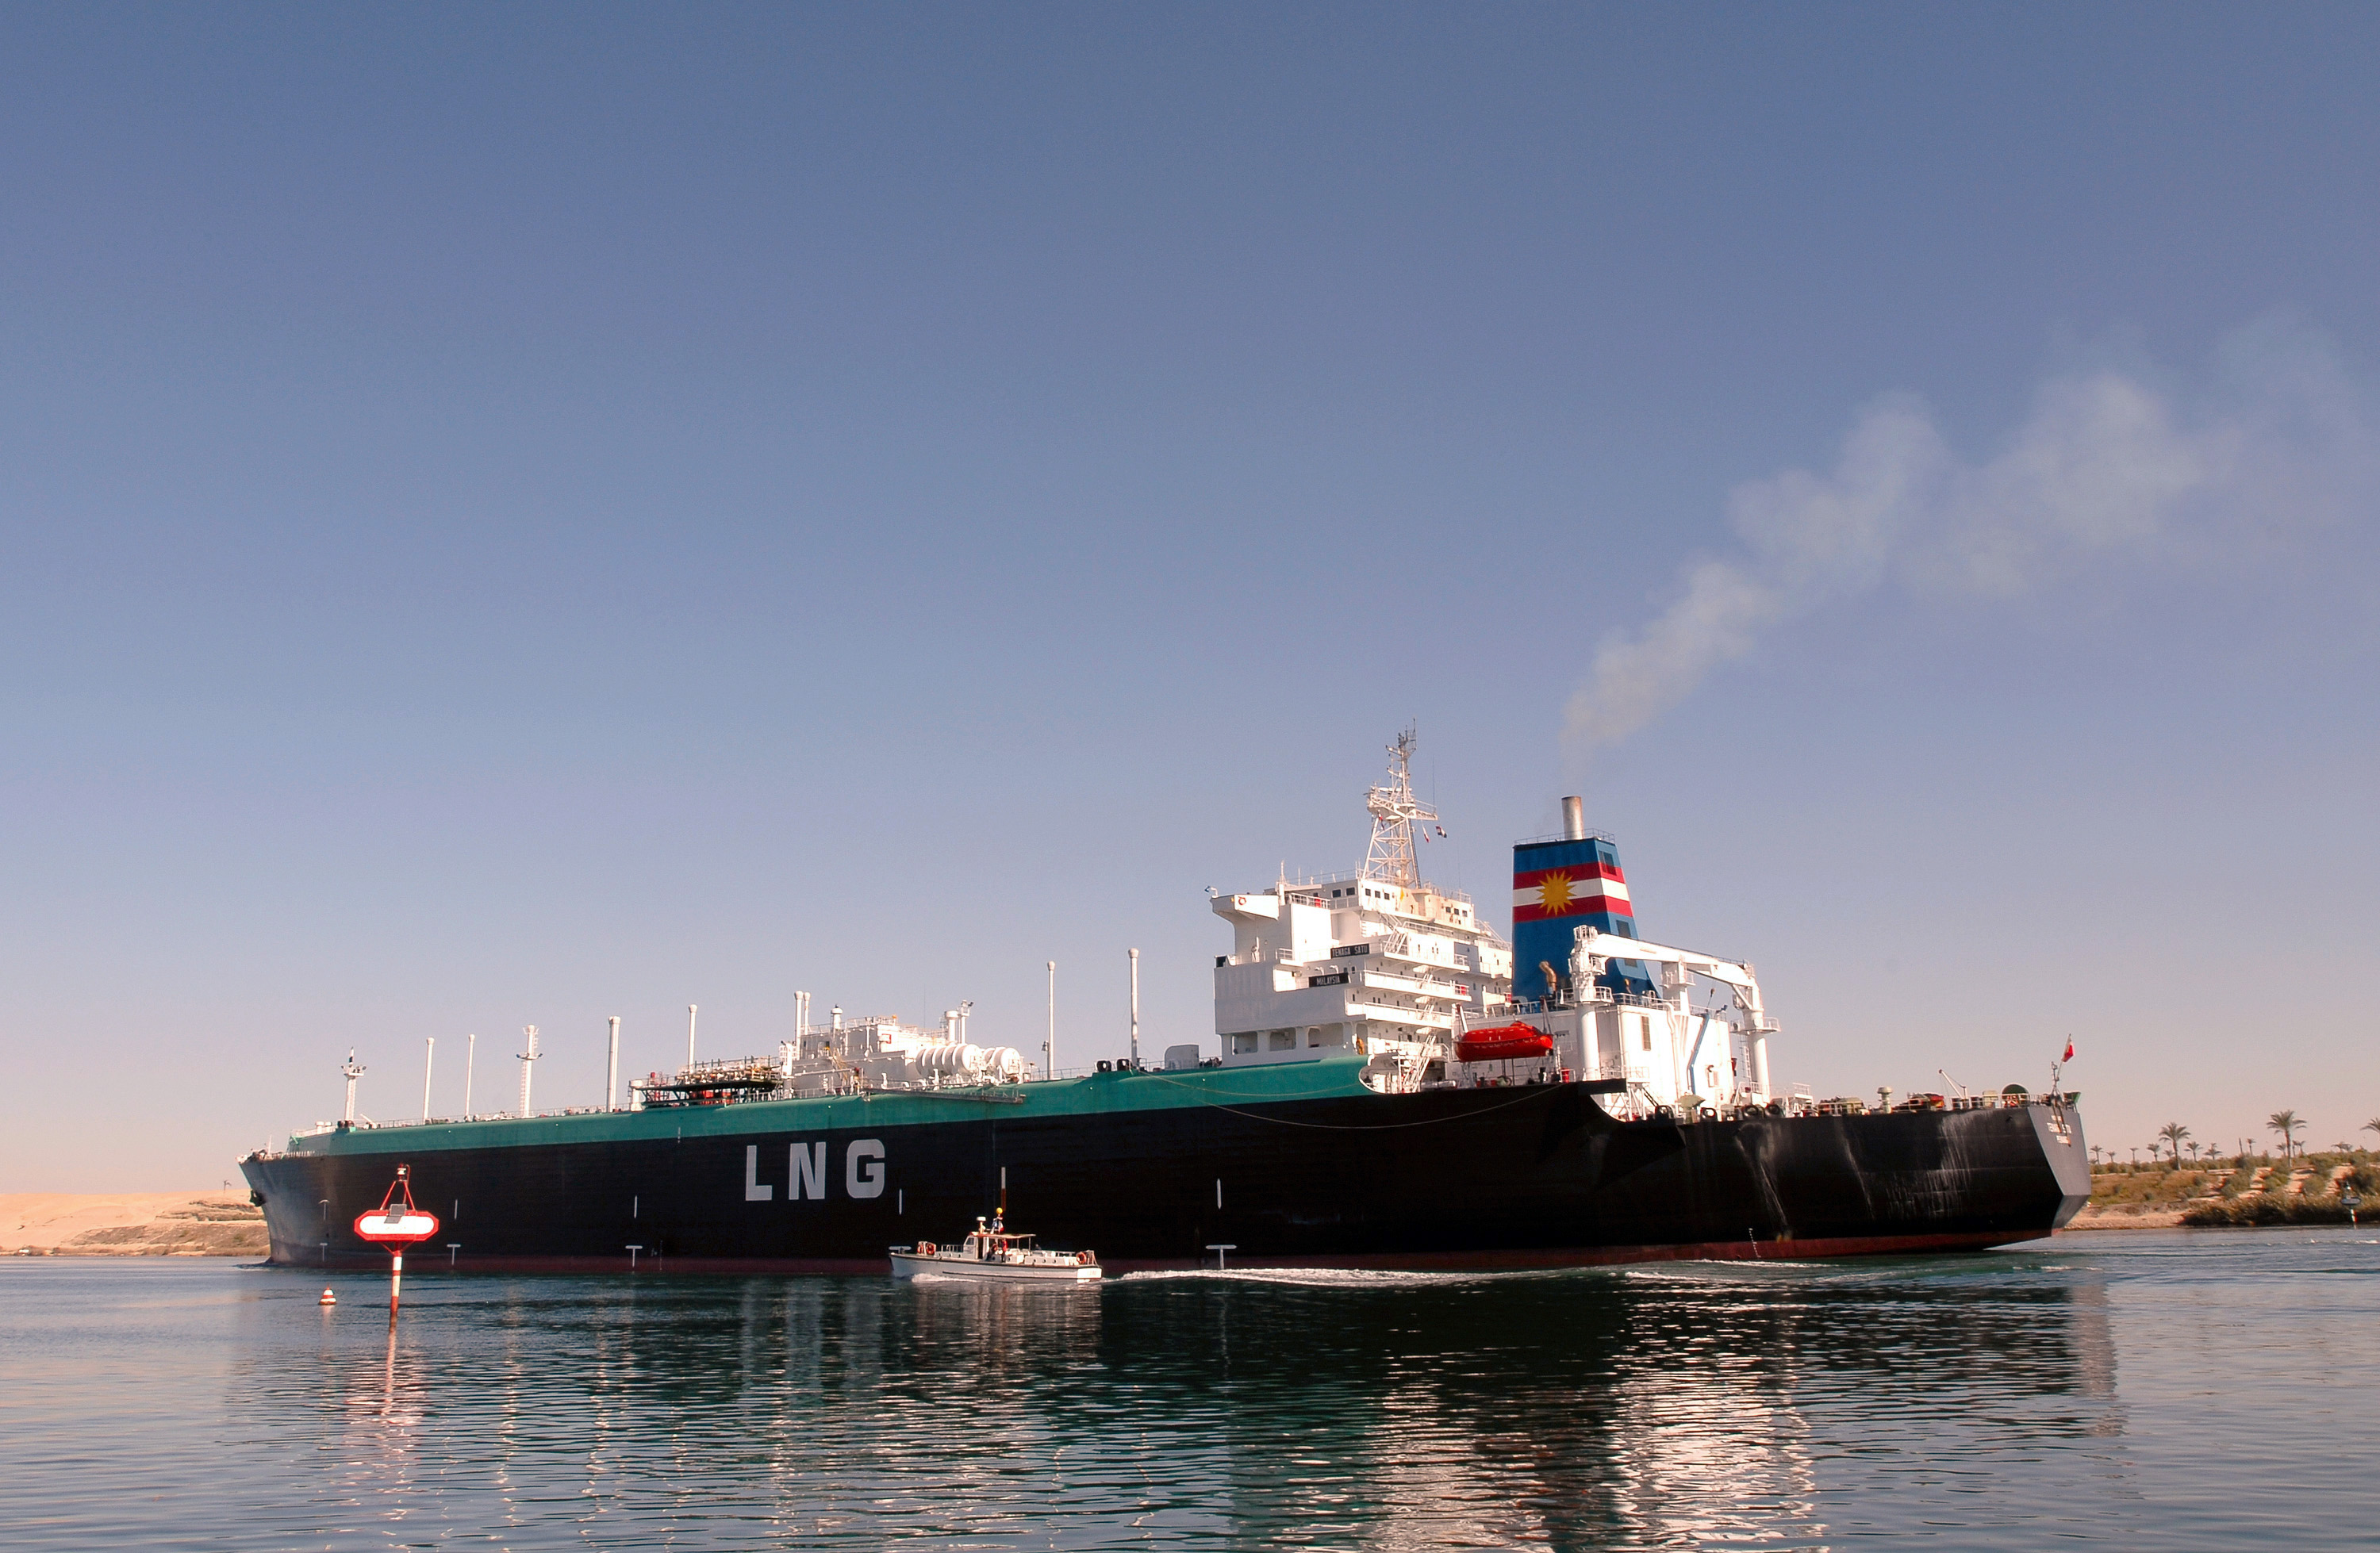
(808, 1171)
(863, 1169)
(806, 1177)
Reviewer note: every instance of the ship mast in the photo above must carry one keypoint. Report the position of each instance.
(1394, 811)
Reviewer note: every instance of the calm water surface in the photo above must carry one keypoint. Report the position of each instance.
(2174, 1390)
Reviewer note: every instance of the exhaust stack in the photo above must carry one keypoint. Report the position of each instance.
(1559, 885)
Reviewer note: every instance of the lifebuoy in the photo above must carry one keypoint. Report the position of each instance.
(925, 1248)
(1083, 1258)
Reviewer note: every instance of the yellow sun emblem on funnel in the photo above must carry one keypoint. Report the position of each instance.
(1554, 892)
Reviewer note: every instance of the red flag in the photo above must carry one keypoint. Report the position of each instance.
(2070, 1053)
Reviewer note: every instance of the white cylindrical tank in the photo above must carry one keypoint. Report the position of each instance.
(1005, 1062)
(950, 1060)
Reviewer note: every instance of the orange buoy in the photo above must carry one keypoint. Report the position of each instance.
(328, 1298)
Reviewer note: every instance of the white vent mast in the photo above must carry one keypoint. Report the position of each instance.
(1395, 811)
(527, 1058)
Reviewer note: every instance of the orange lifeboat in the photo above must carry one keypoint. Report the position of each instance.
(1502, 1042)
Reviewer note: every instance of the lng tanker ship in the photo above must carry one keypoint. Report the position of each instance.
(1394, 1085)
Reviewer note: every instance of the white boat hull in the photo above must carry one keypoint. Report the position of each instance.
(909, 1264)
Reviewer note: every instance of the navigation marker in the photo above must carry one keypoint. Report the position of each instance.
(394, 1225)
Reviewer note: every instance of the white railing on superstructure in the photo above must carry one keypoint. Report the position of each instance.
(1302, 889)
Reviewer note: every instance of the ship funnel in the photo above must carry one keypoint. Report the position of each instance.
(1559, 885)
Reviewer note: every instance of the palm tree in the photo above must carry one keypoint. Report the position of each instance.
(2193, 1151)
(2373, 1125)
(2284, 1122)
(2173, 1133)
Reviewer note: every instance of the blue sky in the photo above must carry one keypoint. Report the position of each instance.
(523, 516)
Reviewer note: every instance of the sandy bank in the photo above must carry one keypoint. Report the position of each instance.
(130, 1224)
(2101, 1216)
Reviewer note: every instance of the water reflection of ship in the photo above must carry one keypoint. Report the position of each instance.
(998, 1327)
(1667, 1409)
(1664, 1407)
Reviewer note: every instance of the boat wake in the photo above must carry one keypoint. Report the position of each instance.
(1351, 1278)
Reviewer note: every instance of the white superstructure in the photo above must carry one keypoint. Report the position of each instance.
(1699, 1040)
(1385, 964)
(841, 1058)
(1379, 961)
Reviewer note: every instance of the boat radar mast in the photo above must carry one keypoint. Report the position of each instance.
(1394, 811)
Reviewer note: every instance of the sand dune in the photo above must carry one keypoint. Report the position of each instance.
(131, 1225)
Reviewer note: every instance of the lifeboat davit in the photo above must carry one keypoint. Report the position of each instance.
(1502, 1042)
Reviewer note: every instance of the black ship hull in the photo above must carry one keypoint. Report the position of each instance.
(1541, 1176)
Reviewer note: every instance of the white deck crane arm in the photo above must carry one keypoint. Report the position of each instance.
(1592, 944)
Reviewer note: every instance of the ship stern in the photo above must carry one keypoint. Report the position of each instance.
(2058, 1128)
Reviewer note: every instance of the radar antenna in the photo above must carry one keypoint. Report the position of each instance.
(1394, 811)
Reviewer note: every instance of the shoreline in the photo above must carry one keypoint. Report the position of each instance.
(2096, 1218)
(130, 1224)
(226, 1224)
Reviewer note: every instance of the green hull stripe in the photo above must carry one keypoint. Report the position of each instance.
(1098, 1095)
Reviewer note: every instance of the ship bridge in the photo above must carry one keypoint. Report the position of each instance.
(1382, 963)
(1377, 960)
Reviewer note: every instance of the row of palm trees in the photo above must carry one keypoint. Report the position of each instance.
(2173, 1136)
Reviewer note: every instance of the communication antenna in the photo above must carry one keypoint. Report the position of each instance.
(1136, 1006)
(689, 1035)
(1395, 811)
(354, 1070)
(1050, 1045)
(612, 1070)
(427, 1056)
(470, 1055)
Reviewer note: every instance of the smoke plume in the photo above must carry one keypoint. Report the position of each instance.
(2105, 466)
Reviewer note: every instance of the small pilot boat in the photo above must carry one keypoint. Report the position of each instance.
(995, 1253)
